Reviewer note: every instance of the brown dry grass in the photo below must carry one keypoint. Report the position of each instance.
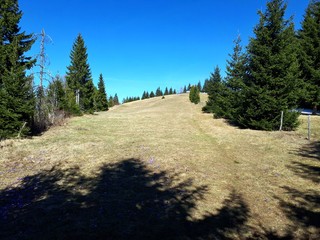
(272, 178)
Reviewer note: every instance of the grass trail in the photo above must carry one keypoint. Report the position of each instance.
(268, 180)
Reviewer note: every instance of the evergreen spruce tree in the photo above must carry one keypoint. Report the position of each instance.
(166, 92)
(111, 102)
(216, 90)
(101, 97)
(116, 100)
(79, 75)
(205, 85)
(152, 94)
(174, 92)
(170, 91)
(56, 94)
(143, 95)
(236, 71)
(16, 93)
(199, 86)
(158, 92)
(194, 95)
(309, 55)
(272, 84)
(184, 89)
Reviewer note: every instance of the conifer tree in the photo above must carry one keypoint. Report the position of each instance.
(170, 91)
(194, 95)
(16, 93)
(309, 55)
(116, 100)
(216, 90)
(56, 94)
(174, 92)
(205, 85)
(166, 92)
(184, 89)
(159, 92)
(199, 86)
(152, 94)
(79, 75)
(272, 84)
(143, 95)
(101, 97)
(236, 71)
(111, 102)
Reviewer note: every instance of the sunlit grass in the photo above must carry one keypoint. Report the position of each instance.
(172, 135)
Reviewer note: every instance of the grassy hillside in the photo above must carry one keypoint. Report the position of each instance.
(160, 169)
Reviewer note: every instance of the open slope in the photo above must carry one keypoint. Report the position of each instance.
(159, 169)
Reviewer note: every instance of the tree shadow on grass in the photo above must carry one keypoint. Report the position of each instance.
(302, 206)
(311, 150)
(306, 171)
(125, 200)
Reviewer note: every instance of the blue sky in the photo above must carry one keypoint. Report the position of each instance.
(142, 44)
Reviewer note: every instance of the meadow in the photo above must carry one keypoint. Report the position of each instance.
(160, 169)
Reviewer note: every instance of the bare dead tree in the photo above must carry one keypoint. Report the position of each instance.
(41, 116)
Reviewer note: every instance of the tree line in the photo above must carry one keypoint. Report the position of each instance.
(27, 108)
(158, 93)
(278, 71)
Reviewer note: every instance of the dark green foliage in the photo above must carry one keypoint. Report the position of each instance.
(166, 92)
(56, 94)
(101, 96)
(189, 87)
(16, 93)
(194, 95)
(205, 85)
(146, 95)
(130, 99)
(272, 83)
(71, 107)
(116, 100)
(184, 89)
(309, 55)
(217, 94)
(236, 72)
(159, 92)
(79, 75)
(199, 86)
(111, 102)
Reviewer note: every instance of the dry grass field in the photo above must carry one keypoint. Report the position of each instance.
(160, 169)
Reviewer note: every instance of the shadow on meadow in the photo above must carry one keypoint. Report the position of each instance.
(124, 201)
(311, 150)
(302, 206)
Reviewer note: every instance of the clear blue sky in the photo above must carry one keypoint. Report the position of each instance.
(142, 44)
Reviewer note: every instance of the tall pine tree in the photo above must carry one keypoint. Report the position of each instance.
(236, 72)
(101, 97)
(79, 75)
(216, 90)
(272, 84)
(194, 95)
(16, 93)
(309, 55)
